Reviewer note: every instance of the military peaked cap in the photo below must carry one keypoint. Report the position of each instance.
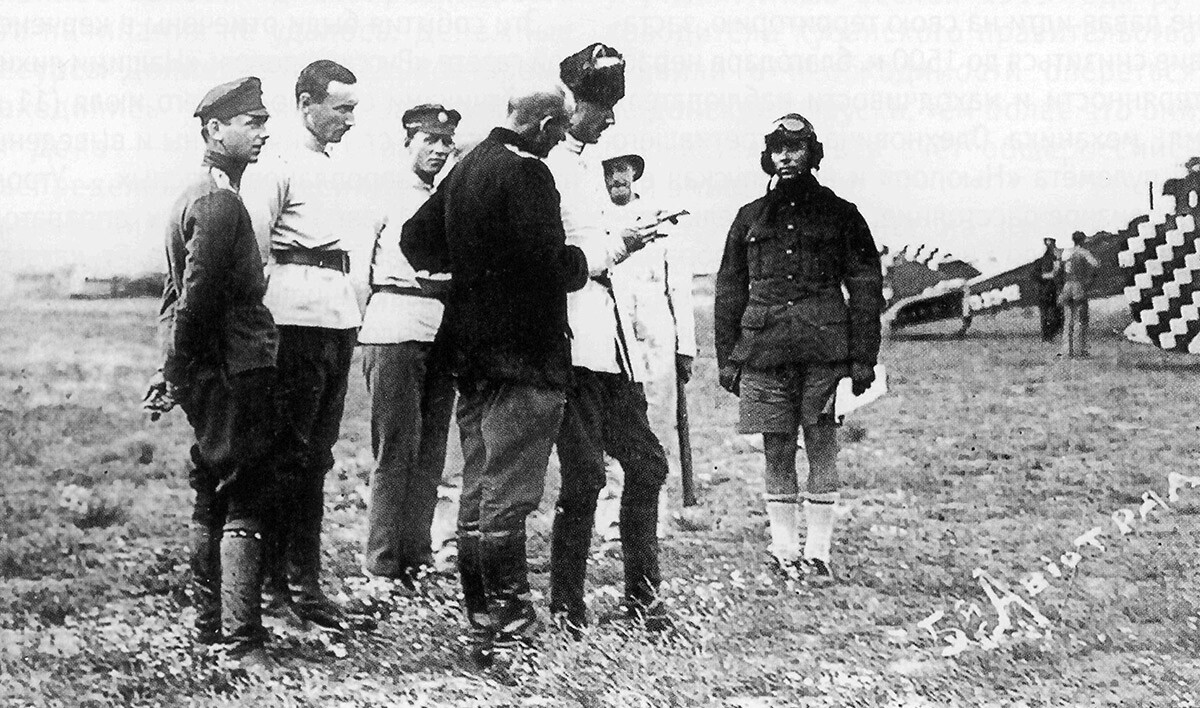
(234, 98)
(433, 118)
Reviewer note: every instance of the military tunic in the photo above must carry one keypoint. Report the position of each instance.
(780, 301)
(219, 339)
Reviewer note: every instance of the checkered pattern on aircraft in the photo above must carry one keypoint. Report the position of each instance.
(915, 269)
(1161, 262)
(929, 256)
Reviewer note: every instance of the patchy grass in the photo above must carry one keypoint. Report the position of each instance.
(990, 453)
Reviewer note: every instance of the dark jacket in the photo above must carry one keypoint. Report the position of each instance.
(495, 224)
(1047, 275)
(212, 311)
(779, 292)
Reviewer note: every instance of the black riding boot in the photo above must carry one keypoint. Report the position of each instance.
(569, 545)
(639, 547)
(241, 584)
(304, 562)
(479, 621)
(506, 578)
(205, 542)
(277, 528)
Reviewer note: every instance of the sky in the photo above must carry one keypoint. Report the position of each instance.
(976, 128)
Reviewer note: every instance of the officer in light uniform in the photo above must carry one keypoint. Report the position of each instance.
(606, 406)
(300, 218)
(409, 378)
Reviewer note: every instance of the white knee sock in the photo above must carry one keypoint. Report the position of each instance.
(785, 531)
(818, 510)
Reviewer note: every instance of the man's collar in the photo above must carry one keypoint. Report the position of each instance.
(800, 184)
(228, 166)
(574, 144)
(414, 180)
(313, 145)
(508, 137)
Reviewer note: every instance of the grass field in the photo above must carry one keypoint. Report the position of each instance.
(990, 454)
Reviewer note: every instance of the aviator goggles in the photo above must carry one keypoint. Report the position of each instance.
(791, 123)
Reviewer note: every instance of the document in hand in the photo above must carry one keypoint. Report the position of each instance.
(847, 402)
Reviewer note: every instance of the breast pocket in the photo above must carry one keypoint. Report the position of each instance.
(767, 251)
(821, 251)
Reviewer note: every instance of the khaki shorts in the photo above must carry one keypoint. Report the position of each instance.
(783, 398)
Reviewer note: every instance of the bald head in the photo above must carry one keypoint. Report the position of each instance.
(541, 115)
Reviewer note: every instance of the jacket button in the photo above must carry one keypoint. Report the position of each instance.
(791, 277)
(791, 226)
(789, 251)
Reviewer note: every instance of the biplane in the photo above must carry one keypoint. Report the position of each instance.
(963, 293)
(1153, 261)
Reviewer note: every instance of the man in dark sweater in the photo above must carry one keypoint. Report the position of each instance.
(220, 344)
(786, 333)
(495, 225)
(1049, 273)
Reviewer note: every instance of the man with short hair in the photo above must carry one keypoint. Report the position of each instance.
(494, 224)
(301, 221)
(220, 344)
(797, 308)
(408, 375)
(1079, 269)
(606, 406)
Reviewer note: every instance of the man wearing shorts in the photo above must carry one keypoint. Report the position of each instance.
(798, 299)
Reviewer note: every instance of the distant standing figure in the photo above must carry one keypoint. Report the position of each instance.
(1079, 271)
(220, 343)
(1048, 271)
(408, 375)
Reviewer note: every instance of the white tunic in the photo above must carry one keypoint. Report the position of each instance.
(600, 341)
(296, 202)
(391, 318)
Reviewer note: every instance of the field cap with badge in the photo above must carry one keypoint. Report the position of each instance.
(432, 118)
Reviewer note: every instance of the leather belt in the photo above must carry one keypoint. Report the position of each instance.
(403, 290)
(333, 260)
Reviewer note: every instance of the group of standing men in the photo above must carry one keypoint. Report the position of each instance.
(513, 283)
(261, 317)
(1064, 279)
(540, 327)
(260, 364)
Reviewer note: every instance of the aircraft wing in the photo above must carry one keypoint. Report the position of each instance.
(981, 295)
(1018, 287)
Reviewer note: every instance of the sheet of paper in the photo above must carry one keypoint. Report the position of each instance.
(847, 402)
